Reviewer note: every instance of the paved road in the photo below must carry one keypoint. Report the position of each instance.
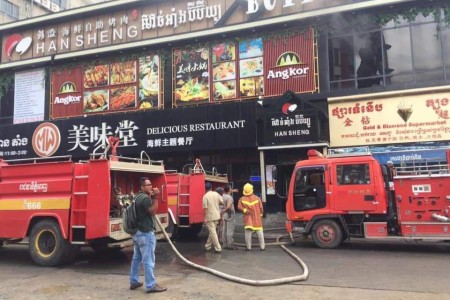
(358, 270)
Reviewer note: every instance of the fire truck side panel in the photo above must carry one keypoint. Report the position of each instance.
(30, 191)
(418, 198)
(15, 224)
(196, 192)
(367, 195)
(97, 204)
(172, 193)
(159, 180)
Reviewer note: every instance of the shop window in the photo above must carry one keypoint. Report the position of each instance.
(401, 52)
(445, 37)
(9, 9)
(342, 64)
(368, 58)
(426, 48)
(399, 57)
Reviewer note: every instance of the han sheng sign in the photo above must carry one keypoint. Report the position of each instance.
(110, 29)
(414, 116)
(176, 19)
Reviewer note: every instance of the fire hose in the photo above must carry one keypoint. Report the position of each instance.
(233, 278)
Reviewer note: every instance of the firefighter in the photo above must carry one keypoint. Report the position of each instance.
(252, 208)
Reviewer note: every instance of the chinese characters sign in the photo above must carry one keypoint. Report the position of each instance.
(231, 125)
(300, 126)
(125, 26)
(401, 119)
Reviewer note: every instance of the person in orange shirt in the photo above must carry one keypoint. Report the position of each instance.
(252, 208)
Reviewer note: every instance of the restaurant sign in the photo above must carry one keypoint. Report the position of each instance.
(211, 127)
(151, 21)
(393, 120)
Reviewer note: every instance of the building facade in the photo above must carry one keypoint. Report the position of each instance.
(246, 86)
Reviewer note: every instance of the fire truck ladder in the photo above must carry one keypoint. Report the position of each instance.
(79, 203)
(427, 167)
(183, 201)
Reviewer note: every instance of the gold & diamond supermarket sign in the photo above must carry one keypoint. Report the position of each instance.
(414, 116)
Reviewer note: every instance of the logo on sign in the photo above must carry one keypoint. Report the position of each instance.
(291, 60)
(288, 108)
(67, 87)
(46, 139)
(16, 41)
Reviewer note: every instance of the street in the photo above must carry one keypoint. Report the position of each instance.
(357, 270)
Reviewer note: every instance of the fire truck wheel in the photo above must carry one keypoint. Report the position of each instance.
(326, 234)
(47, 246)
(173, 229)
(70, 253)
(196, 228)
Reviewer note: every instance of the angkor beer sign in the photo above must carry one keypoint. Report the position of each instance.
(289, 63)
(393, 120)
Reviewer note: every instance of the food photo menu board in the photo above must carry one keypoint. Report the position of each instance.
(129, 84)
(245, 68)
(191, 74)
(224, 70)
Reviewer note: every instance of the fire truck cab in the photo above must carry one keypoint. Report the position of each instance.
(341, 197)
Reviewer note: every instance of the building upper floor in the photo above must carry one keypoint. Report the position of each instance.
(163, 55)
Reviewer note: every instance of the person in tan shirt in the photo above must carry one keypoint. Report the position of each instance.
(211, 202)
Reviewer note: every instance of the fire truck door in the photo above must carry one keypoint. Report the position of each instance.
(309, 189)
(355, 188)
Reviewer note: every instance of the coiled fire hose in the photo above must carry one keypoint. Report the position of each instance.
(229, 277)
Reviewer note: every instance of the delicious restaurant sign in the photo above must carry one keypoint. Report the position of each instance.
(208, 127)
(166, 18)
(393, 120)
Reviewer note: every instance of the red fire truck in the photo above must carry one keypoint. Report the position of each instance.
(185, 193)
(340, 197)
(59, 204)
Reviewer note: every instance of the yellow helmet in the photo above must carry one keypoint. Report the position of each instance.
(248, 189)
